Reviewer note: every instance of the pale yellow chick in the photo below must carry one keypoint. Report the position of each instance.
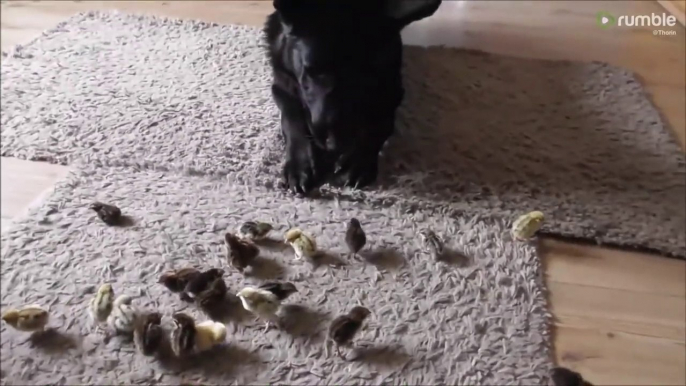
(526, 226)
(260, 302)
(123, 316)
(101, 305)
(209, 334)
(303, 244)
(31, 318)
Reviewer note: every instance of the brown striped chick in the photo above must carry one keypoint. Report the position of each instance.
(100, 307)
(183, 335)
(148, 333)
(241, 252)
(303, 245)
(31, 318)
(213, 295)
(431, 243)
(254, 230)
(123, 316)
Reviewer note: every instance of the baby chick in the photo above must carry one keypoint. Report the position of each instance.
(344, 328)
(101, 305)
(109, 214)
(123, 315)
(202, 282)
(213, 295)
(262, 303)
(209, 334)
(563, 376)
(431, 243)
(254, 230)
(242, 252)
(280, 290)
(176, 281)
(526, 225)
(303, 244)
(355, 237)
(31, 318)
(148, 332)
(183, 335)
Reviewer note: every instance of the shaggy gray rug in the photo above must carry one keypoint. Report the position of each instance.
(480, 318)
(477, 134)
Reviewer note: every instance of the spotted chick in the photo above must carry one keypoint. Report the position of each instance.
(431, 243)
(526, 225)
(355, 238)
(176, 281)
(303, 244)
(183, 335)
(31, 318)
(123, 315)
(343, 328)
(241, 252)
(254, 230)
(100, 306)
(148, 333)
(109, 214)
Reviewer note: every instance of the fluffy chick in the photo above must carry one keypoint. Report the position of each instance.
(101, 305)
(202, 282)
(344, 328)
(209, 334)
(355, 237)
(109, 214)
(262, 303)
(148, 333)
(213, 295)
(241, 252)
(526, 225)
(303, 244)
(183, 335)
(123, 315)
(431, 243)
(279, 289)
(176, 281)
(254, 230)
(31, 318)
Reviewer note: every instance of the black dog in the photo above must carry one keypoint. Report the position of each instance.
(337, 82)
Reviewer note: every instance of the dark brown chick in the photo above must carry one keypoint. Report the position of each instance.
(565, 377)
(147, 333)
(213, 295)
(355, 237)
(183, 335)
(280, 290)
(176, 281)
(202, 282)
(241, 252)
(344, 328)
(109, 214)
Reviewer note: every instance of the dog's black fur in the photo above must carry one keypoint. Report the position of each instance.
(337, 82)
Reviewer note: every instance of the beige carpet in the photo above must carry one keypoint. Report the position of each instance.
(478, 133)
(478, 320)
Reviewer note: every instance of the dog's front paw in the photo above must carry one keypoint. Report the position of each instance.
(304, 169)
(360, 170)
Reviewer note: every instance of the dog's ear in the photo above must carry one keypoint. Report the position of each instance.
(405, 12)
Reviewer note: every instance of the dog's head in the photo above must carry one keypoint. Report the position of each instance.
(346, 58)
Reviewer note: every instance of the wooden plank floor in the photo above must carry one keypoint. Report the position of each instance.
(620, 316)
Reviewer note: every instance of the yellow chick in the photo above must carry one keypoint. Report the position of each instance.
(303, 244)
(31, 318)
(209, 334)
(526, 226)
(101, 305)
(260, 302)
(122, 319)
